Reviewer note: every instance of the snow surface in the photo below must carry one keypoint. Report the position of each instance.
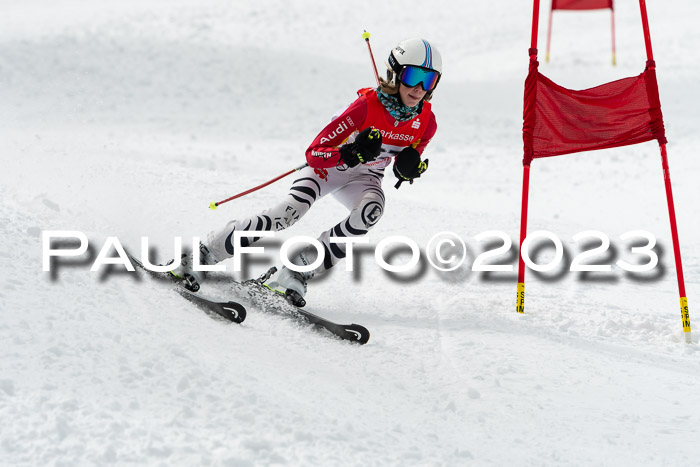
(127, 118)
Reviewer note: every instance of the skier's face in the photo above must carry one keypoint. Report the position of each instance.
(411, 96)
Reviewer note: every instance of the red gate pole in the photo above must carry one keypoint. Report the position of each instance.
(520, 300)
(645, 26)
(685, 314)
(520, 297)
(549, 33)
(535, 23)
(614, 58)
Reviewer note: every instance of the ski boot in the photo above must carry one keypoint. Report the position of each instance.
(292, 284)
(185, 272)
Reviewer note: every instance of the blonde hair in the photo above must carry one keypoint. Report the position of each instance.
(387, 87)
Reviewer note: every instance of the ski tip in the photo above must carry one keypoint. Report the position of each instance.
(359, 334)
(234, 312)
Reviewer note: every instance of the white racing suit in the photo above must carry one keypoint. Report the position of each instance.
(358, 189)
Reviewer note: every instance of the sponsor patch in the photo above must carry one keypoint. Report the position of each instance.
(322, 155)
(342, 126)
(289, 217)
(322, 174)
(371, 213)
(396, 136)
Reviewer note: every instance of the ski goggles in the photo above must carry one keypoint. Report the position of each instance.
(413, 76)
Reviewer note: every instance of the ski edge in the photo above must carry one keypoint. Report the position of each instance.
(230, 310)
(350, 332)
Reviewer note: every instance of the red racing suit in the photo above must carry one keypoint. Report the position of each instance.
(368, 111)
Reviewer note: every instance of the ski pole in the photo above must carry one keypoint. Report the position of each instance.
(214, 205)
(365, 36)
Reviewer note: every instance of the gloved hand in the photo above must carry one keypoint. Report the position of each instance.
(408, 165)
(366, 147)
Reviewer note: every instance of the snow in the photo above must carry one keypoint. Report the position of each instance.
(125, 119)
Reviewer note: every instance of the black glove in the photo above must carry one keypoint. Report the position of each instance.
(408, 166)
(366, 147)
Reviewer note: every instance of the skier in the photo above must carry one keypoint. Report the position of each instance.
(347, 159)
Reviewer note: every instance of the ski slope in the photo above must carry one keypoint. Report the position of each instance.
(126, 119)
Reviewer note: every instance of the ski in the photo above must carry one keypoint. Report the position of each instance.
(270, 301)
(262, 298)
(230, 310)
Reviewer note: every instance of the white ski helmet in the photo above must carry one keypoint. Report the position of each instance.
(422, 57)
